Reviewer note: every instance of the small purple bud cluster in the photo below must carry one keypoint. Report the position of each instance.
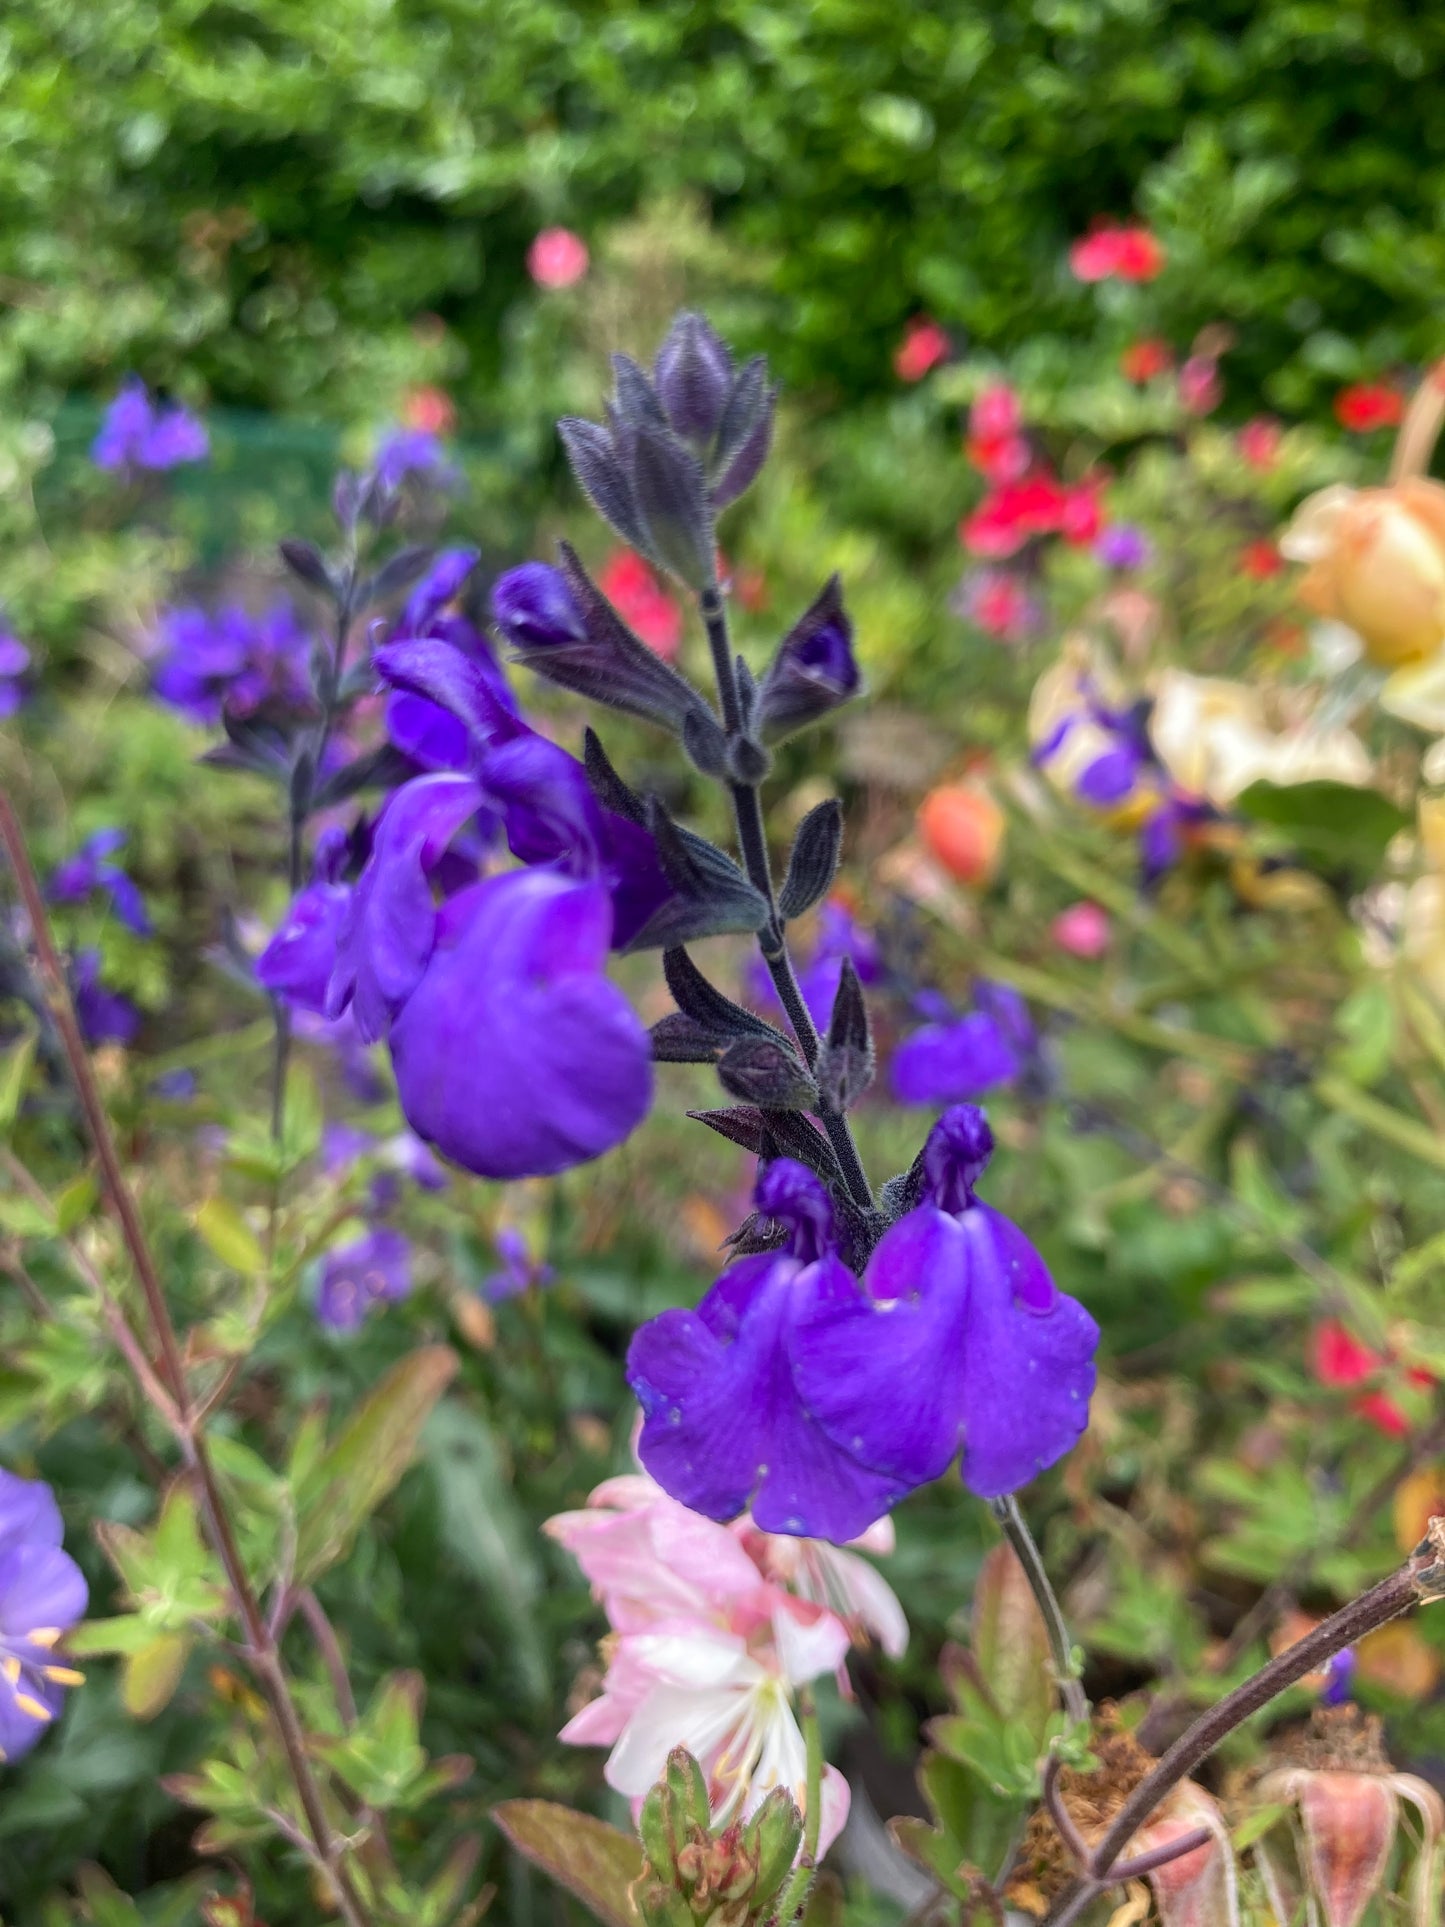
(137, 432)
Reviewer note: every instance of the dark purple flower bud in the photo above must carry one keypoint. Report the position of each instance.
(564, 629)
(726, 1424)
(567, 1070)
(370, 1271)
(814, 670)
(744, 435)
(956, 1156)
(693, 375)
(534, 608)
(669, 489)
(298, 961)
(602, 477)
(42, 1595)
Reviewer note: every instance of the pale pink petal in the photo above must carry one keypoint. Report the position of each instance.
(599, 1723)
(837, 1798)
(865, 1595)
(672, 1716)
(880, 1539)
(700, 1657)
(811, 1641)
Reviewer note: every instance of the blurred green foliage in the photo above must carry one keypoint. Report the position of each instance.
(255, 201)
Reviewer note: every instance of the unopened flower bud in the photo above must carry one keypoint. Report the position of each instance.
(693, 374)
(814, 670)
(534, 608)
(1376, 562)
(775, 1834)
(1199, 1888)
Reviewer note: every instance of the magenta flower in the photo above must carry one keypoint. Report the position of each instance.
(136, 432)
(42, 1595)
(963, 1311)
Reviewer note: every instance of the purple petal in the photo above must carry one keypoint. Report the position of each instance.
(40, 1586)
(1028, 1361)
(298, 961)
(514, 1056)
(945, 1062)
(28, 1513)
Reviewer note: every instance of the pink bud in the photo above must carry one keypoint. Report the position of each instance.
(1200, 388)
(558, 258)
(1349, 1823)
(1199, 1889)
(1084, 930)
(995, 414)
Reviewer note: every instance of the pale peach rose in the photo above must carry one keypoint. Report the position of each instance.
(1376, 561)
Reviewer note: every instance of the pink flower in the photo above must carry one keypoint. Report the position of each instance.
(1199, 385)
(714, 1629)
(996, 601)
(429, 409)
(1083, 513)
(642, 602)
(1117, 253)
(923, 346)
(995, 414)
(1259, 441)
(1083, 930)
(558, 258)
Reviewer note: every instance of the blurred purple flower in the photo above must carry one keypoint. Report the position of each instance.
(520, 1271)
(232, 658)
(90, 869)
(1123, 546)
(404, 454)
(1340, 1677)
(105, 1016)
(534, 608)
(372, 1270)
(421, 725)
(42, 1595)
(727, 1424)
(137, 432)
(963, 1309)
(298, 961)
(837, 934)
(14, 661)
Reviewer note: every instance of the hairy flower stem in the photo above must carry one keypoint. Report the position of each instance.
(261, 1651)
(772, 938)
(795, 1894)
(298, 814)
(1421, 1577)
(1011, 1520)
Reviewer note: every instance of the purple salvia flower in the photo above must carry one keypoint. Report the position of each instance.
(964, 1312)
(105, 1016)
(406, 453)
(42, 1595)
(1123, 547)
(232, 659)
(520, 1270)
(432, 644)
(514, 986)
(90, 869)
(727, 1422)
(139, 433)
(372, 1270)
(945, 1062)
(534, 608)
(298, 961)
(14, 661)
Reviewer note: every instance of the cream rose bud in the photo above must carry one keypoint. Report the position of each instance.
(1376, 561)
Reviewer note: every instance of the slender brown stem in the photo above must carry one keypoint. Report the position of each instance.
(1418, 1578)
(261, 1652)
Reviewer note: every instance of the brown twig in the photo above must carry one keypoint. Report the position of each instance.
(261, 1652)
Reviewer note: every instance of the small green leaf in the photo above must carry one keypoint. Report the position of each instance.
(1336, 825)
(76, 1202)
(365, 1461)
(595, 1862)
(149, 1678)
(226, 1233)
(14, 1075)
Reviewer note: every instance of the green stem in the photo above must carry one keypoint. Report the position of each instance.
(1011, 1520)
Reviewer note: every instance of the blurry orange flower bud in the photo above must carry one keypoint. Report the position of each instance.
(1376, 561)
(962, 828)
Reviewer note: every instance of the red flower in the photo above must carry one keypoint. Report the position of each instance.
(1083, 514)
(923, 346)
(995, 414)
(642, 602)
(1117, 253)
(558, 258)
(1340, 1360)
(1368, 404)
(1261, 559)
(1002, 460)
(1007, 517)
(1144, 360)
(1259, 441)
(429, 409)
